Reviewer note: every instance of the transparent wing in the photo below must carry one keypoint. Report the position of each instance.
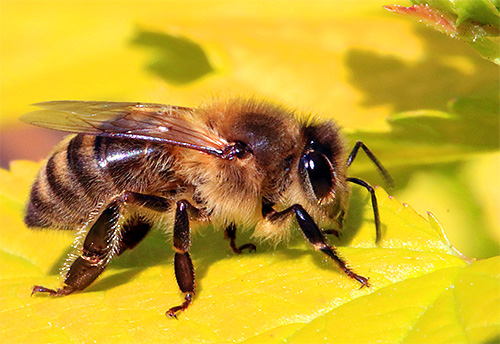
(147, 121)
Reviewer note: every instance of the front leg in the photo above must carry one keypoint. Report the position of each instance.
(184, 270)
(314, 235)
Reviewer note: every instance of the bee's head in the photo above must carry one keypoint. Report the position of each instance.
(322, 164)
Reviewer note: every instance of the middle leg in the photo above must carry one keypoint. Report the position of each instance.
(133, 231)
(230, 234)
(184, 270)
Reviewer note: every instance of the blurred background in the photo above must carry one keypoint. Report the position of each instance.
(426, 104)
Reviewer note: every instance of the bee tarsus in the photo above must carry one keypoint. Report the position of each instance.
(316, 238)
(52, 292)
(376, 215)
(172, 312)
(230, 234)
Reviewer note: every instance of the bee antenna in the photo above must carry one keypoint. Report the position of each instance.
(385, 174)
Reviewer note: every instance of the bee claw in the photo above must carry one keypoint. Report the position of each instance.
(40, 289)
(251, 247)
(363, 280)
(172, 312)
(333, 232)
(66, 290)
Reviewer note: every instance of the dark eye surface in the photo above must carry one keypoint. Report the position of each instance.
(319, 172)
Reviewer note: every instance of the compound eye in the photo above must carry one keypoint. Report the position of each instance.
(320, 174)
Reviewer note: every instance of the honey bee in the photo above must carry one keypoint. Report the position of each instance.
(235, 163)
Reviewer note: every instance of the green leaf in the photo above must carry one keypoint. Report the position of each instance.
(481, 11)
(440, 129)
(425, 137)
(422, 289)
(475, 21)
(439, 307)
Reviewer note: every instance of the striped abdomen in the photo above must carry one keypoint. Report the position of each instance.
(86, 172)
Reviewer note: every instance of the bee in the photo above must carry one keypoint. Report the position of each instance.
(234, 164)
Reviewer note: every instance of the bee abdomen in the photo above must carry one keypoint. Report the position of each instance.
(69, 187)
(38, 209)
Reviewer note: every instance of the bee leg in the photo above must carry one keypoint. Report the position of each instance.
(91, 263)
(184, 270)
(376, 215)
(136, 228)
(373, 158)
(230, 234)
(340, 220)
(132, 234)
(384, 173)
(316, 238)
(332, 232)
(102, 241)
(156, 203)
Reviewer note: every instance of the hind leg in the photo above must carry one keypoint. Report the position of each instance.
(104, 240)
(94, 257)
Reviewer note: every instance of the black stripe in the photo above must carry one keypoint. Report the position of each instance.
(37, 208)
(35, 198)
(125, 158)
(58, 187)
(98, 149)
(77, 169)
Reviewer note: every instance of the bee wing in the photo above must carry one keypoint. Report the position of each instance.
(147, 121)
